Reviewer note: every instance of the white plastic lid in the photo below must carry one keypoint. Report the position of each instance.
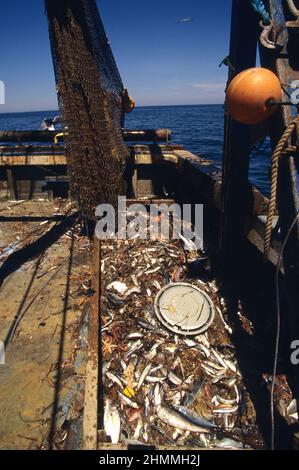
(184, 309)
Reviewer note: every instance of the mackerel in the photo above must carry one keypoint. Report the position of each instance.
(176, 420)
(195, 418)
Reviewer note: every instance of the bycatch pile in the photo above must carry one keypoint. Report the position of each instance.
(159, 388)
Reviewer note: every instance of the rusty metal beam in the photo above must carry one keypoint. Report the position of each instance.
(92, 402)
(129, 135)
(147, 135)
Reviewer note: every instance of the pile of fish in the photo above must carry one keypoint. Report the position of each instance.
(159, 388)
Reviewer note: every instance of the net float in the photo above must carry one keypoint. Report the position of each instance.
(128, 102)
(250, 93)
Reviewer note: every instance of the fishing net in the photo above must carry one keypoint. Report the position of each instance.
(89, 89)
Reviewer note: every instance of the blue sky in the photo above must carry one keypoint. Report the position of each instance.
(161, 60)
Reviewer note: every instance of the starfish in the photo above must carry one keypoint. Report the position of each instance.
(108, 346)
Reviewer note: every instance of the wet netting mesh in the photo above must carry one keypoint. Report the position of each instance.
(89, 90)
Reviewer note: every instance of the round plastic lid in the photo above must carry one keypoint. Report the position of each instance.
(184, 309)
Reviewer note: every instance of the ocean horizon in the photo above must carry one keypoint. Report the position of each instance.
(137, 106)
(199, 128)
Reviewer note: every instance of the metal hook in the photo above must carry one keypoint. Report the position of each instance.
(264, 37)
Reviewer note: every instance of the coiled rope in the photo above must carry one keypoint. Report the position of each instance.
(280, 149)
(293, 9)
(259, 7)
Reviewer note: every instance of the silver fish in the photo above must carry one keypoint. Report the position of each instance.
(190, 343)
(219, 358)
(219, 378)
(106, 367)
(226, 421)
(135, 347)
(190, 397)
(145, 433)
(204, 349)
(120, 287)
(195, 418)
(215, 366)
(135, 336)
(114, 379)
(146, 406)
(138, 429)
(231, 382)
(105, 327)
(112, 422)
(292, 408)
(153, 271)
(155, 369)
(158, 395)
(174, 379)
(238, 398)
(225, 401)
(189, 380)
(134, 290)
(143, 376)
(204, 441)
(202, 339)
(189, 245)
(135, 281)
(229, 444)
(127, 401)
(228, 328)
(153, 353)
(144, 324)
(226, 410)
(210, 371)
(231, 365)
(155, 380)
(176, 420)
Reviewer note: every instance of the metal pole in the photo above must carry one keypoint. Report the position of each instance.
(236, 192)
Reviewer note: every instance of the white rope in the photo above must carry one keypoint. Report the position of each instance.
(293, 9)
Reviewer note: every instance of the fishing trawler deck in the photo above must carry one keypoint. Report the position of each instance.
(203, 376)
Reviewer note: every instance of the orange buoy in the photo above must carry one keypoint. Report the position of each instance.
(128, 103)
(131, 105)
(248, 94)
